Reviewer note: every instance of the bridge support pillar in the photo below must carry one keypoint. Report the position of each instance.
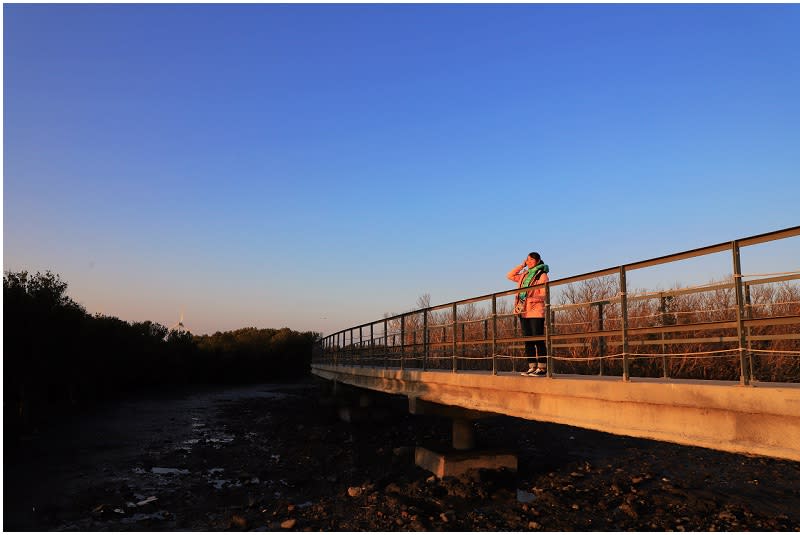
(463, 456)
(463, 434)
(352, 404)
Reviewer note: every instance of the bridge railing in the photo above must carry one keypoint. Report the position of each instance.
(746, 327)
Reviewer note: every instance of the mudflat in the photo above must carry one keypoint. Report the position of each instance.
(277, 458)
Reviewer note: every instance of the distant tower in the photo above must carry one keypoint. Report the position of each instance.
(180, 327)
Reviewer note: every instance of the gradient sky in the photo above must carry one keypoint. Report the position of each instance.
(317, 166)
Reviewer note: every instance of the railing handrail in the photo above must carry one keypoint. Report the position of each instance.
(626, 334)
(693, 253)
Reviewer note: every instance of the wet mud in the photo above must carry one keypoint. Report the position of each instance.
(278, 458)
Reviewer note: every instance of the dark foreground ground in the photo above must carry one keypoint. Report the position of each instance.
(273, 458)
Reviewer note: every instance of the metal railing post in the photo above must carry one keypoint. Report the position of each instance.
(494, 334)
(663, 336)
(414, 346)
(548, 343)
(425, 339)
(748, 314)
(385, 343)
(402, 341)
(371, 344)
(744, 378)
(623, 289)
(601, 327)
(360, 344)
(455, 336)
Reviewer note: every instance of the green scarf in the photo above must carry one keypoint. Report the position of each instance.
(530, 276)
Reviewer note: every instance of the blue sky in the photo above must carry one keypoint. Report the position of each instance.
(317, 166)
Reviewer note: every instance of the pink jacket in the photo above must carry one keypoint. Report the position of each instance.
(534, 303)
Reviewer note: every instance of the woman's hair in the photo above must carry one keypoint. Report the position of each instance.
(535, 256)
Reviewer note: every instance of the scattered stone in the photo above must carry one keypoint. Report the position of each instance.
(576, 496)
(628, 510)
(393, 487)
(150, 499)
(238, 522)
(416, 525)
(524, 496)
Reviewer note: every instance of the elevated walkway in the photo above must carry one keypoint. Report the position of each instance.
(760, 419)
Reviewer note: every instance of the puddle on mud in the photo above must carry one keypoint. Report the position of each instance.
(168, 471)
(201, 434)
(140, 517)
(177, 423)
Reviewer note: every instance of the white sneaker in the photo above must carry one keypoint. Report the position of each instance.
(531, 370)
(538, 372)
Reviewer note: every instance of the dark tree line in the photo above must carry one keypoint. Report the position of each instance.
(56, 355)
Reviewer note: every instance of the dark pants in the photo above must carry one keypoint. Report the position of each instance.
(534, 327)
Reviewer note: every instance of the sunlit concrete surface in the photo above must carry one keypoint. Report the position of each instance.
(763, 419)
(455, 464)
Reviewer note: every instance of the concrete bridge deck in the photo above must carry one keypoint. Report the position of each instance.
(761, 419)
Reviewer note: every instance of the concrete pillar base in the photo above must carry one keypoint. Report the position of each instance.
(456, 463)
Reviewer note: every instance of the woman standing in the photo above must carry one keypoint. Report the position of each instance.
(529, 307)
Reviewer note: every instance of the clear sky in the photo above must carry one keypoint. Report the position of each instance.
(317, 166)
